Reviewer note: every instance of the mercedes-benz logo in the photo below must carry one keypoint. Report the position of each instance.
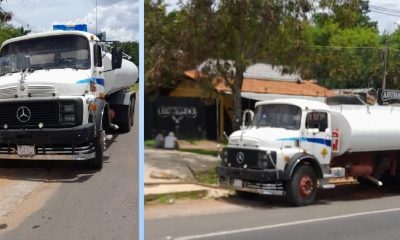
(240, 157)
(23, 114)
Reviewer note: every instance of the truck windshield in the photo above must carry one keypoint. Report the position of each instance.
(277, 116)
(67, 51)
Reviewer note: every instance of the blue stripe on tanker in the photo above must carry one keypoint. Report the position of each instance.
(99, 81)
(322, 141)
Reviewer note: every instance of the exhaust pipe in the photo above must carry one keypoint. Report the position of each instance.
(373, 180)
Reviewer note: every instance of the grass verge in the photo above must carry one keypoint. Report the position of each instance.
(169, 198)
(207, 177)
(200, 151)
(149, 143)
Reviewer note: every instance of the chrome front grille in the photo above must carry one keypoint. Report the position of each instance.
(47, 150)
(8, 92)
(33, 91)
(41, 90)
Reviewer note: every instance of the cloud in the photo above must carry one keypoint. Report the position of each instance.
(385, 22)
(119, 20)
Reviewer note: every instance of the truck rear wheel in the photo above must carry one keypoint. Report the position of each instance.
(97, 162)
(126, 125)
(302, 188)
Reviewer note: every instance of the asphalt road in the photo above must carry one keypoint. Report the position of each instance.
(348, 212)
(89, 204)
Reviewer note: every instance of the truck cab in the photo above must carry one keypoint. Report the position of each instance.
(285, 150)
(56, 92)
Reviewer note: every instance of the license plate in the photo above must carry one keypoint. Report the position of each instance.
(26, 150)
(237, 183)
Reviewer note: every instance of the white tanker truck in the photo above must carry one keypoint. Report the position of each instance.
(59, 92)
(295, 146)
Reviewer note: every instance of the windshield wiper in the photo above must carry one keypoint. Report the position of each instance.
(32, 69)
(11, 72)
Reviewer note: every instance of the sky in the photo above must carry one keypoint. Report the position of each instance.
(385, 22)
(118, 18)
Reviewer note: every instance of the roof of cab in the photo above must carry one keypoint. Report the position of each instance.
(302, 103)
(50, 33)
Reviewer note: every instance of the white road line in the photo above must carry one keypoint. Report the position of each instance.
(243, 230)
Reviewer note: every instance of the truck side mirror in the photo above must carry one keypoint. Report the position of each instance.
(247, 118)
(116, 59)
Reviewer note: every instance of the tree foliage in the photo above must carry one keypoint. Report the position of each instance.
(237, 33)
(8, 31)
(345, 48)
(333, 42)
(164, 64)
(132, 49)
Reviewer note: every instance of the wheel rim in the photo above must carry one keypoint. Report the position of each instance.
(306, 186)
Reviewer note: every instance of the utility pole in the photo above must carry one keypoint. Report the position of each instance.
(96, 17)
(385, 54)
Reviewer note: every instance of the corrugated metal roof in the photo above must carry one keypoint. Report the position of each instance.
(299, 88)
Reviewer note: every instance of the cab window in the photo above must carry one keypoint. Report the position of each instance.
(97, 56)
(317, 120)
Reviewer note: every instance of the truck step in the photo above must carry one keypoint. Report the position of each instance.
(328, 186)
(328, 175)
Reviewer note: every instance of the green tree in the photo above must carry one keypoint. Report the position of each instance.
(345, 48)
(131, 49)
(348, 58)
(237, 33)
(347, 14)
(163, 55)
(7, 31)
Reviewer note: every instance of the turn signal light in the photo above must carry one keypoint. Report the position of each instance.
(93, 86)
(92, 107)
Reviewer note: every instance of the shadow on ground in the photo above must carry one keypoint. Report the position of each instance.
(51, 171)
(343, 193)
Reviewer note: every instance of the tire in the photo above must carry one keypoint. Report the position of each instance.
(97, 162)
(301, 189)
(127, 123)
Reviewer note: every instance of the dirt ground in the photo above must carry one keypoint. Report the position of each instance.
(22, 192)
(199, 144)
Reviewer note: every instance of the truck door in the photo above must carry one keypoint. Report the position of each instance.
(318, 136)
(98, 64)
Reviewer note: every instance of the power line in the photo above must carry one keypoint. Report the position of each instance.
(384, 9)
(349, 48)
(19, 19)
(345, 47)
(385, 13)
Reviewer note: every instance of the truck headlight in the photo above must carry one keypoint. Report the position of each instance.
(67, 113)
(266, 159)
(224, 156)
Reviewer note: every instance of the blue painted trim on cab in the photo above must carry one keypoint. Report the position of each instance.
(326, 142)
(99, 81)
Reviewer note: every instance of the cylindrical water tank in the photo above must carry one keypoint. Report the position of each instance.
(366, 128)
(120, 78)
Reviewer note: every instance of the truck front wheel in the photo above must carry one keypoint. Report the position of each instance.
(97, 162)
(301, 189)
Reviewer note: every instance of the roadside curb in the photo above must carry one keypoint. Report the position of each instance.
(172, 191)
(184, 183)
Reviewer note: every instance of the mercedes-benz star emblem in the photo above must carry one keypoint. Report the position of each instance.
(240, 157)
(23, 114)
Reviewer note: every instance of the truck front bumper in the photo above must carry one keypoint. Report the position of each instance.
(74, 143)
(265, 182)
